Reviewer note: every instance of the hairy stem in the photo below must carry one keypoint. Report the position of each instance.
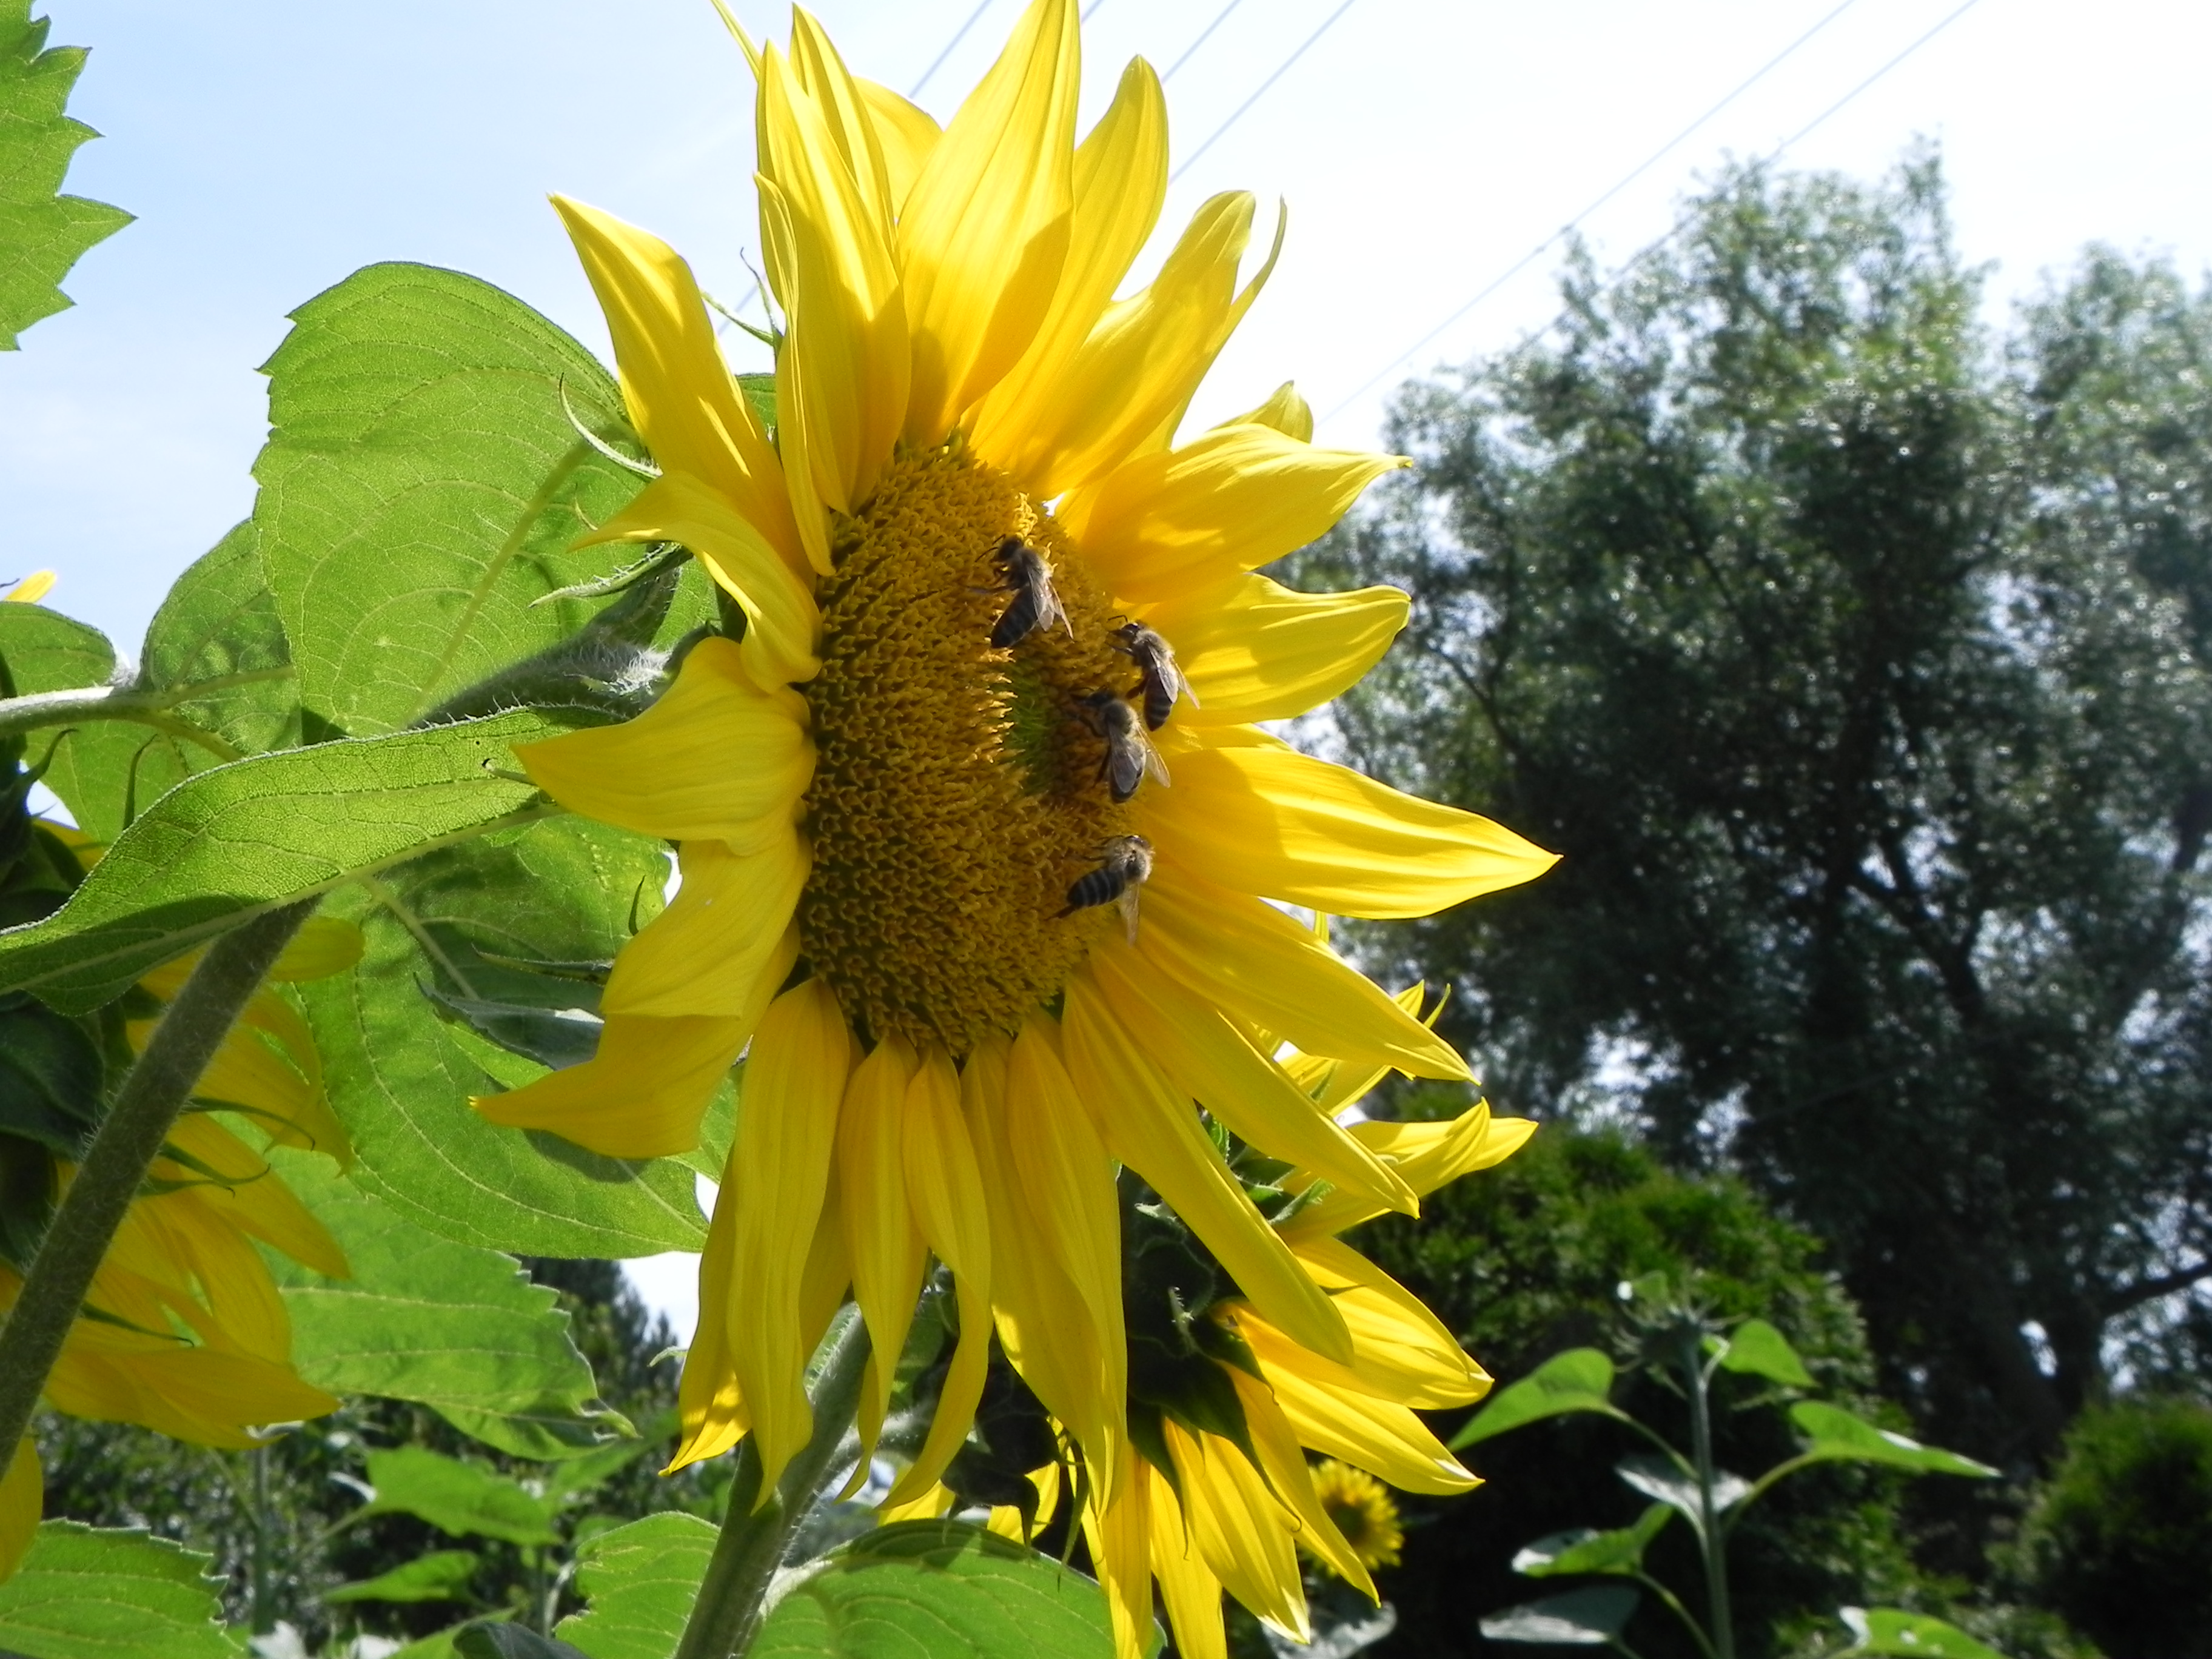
(727, 1613)
(129, 1140)
(1712, 1538)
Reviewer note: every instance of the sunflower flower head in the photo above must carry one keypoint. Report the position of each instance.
(978, 829)
(1361, 1509)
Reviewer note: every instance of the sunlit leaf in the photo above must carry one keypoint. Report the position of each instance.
(938, 1588)
(1658, 1477)
(1755, 1348)
(1835, 1434)
(1575, 1380)
(1586, 1550)
(42, 233)
(422, 485)
(1892, 1631)
(440, 1576)
(1591, 1617)
(463, 1499)
(639, 1581)
(460, 1329)
(81, 1594)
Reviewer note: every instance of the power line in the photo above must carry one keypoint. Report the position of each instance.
(1281, 70)
(1219, 17)
(1683, 223)
(958, 36)
(1088, 9)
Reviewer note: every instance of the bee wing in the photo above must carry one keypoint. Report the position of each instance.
(1050, 610)
(1183, 685)
(1125, 767)
(1128, 906)
(1155, 767)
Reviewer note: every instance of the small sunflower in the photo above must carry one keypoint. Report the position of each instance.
(1002, 658)
(185, 1331)
(1361, 1508)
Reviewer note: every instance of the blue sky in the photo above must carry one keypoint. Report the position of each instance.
(270, 147)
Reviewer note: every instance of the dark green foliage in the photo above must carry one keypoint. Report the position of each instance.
(269, 1516)
(1525, 1259)
(2120, 1540)
(1857, 669)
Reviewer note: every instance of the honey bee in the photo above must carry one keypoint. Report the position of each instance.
(1163, 680)
(1130, 756)
(1025, 572)
(1124, 862)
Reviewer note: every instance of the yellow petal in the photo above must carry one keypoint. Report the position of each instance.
(323, 946)
(1428, 1156)
(23, 1499)
(710, 1408)
(1240, 1529)
(1043, 1322)
(1156, 1132)
(776, 599)
(847, 118)
(258, 1202)
(713, 760)
(985, 230)
(936, 1501)
(946, 1188)
(679, 389)
(1006, 1519)
(1403, 1350)
(1285, 410)
(1164, 434)
(906, 135)
(1121, 178)
(1228, 502)
(887, 1252)
(717, 949)
(788, 1127)
(1245, 957)
(1139, 363)
(1255, 650)
(1282, 1460)
(642, 1095)
(1067, 1176)
(1188, 1589)
(838, 280)
(200, 1395)
(1351, 1424)
(1272, 821)
(1205, 1057)
(29, 591)
(1117, 1528)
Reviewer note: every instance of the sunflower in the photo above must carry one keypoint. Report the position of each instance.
(1001, 664)
(185, 1331)
(1215, 1492)
(1362, 1509)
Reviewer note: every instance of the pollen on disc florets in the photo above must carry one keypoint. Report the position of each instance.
(955, 794)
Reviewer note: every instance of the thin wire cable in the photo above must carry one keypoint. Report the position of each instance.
(1088, 9)
(959, 34)
(1680, 224)
(1281, 70)
(1219, 17)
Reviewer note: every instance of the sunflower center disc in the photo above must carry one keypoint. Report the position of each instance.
(955, 793)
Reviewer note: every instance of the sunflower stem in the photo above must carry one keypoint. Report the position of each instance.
(727, 1614)
(130, 1137)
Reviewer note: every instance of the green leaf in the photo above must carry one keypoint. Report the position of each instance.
(940, 1588)
(463, 1499)
(1578, 1379)
(640, 1582)
(50, 1077)
(1891, 1630)
(422, 485)
(1755, 1348)
(1659, 1477)
(504, 1641)
(400, 1077)
(438, 1644)
(460, 1330)
(440, 1576)
(42, 233)
(1584, 1550)
(1836, 1434)
(45, 651)
(231, 843)
(80, 1594)
(1591, 1617)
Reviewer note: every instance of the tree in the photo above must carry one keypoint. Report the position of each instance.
(1857, 668)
